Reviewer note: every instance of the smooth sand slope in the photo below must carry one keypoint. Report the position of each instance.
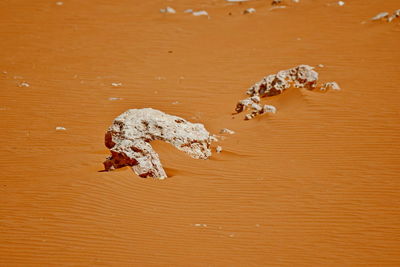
(316, 184)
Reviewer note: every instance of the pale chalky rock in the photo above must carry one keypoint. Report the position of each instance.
(381, 16)
(200, 13)
(226, 131)
(395, 14)
(249, 11)
(302, 76)
(129, 137)
(330, 85)
(385, 15)
(168, 9)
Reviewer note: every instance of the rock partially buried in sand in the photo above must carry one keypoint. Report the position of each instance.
(129, 137)
(302, 76)
(331, 86)
(249, 11)
(385, 15)
(168, 10)
(200, 13)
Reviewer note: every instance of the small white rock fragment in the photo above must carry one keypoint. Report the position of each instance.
(269, 109)
(188, 11)
(214, 138)
(60, 128)
(218, 149)
(24, 84)
(331, 86)
(249, 11)
(226, 131)
(200, 13)
(175, 103)
(320, 65)
(114, 98)
(200, 225)
(59, 3)
(296, 1)
(381, 16)
(341, 3)
(277, 7)
(168, 10)
(116, 84)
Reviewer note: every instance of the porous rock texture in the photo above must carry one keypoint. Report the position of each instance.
(129, 137)
(302, 76)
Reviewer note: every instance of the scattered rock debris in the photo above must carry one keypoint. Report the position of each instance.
(168, 10)
(341, 3)
(226, 131)
(129, 137)
(385, 15)
(302, 76)
(60, 128)
(218, 149)
(249, 11)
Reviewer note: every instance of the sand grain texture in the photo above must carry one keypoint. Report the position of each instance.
(316, 184)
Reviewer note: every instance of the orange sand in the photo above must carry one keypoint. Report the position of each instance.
(317, 184)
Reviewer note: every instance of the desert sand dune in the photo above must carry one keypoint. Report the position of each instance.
(316, 184)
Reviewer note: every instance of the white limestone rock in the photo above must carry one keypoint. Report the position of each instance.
(168, 10)
(200, 13)
(249, 11)
(380, 16)
(129, 137)
(226, 131)
(331, 86)
(302, 76)
(385, 15)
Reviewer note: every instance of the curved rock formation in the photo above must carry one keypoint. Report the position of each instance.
(129, 137)
(302, 76)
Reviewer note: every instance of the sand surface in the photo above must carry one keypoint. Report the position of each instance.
(317, 184)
